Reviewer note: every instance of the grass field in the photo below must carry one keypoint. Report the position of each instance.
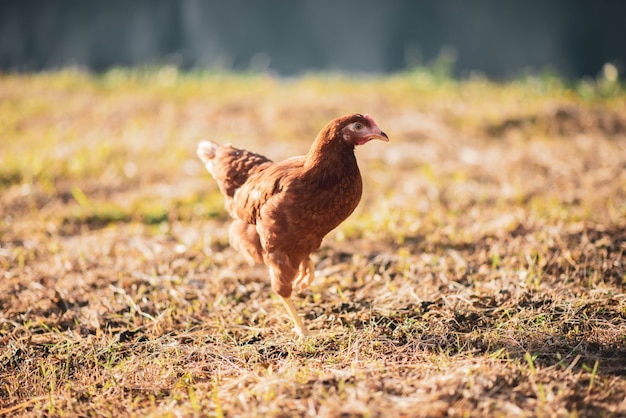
(483, 273)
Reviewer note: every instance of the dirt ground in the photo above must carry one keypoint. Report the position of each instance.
(482, 275)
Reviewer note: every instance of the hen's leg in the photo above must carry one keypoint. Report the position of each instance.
(306, 275)
(282, 272)
(293, 313)
(244, 238)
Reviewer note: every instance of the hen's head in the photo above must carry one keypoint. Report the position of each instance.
(359, 129)
(351, 130)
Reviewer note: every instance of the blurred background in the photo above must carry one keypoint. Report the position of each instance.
(495, 38)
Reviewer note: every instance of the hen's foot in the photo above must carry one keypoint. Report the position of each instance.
(306, 275)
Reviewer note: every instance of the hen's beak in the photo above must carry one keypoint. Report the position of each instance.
(381, 136)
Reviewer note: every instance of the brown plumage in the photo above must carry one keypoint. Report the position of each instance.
(282, 210)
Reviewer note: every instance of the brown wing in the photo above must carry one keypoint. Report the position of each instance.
(268, 182)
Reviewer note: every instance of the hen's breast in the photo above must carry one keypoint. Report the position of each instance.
(305, 213)
(332, 206)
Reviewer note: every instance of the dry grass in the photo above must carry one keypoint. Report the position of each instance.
(482, 275)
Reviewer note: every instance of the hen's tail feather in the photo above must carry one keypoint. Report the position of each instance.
(206, 151)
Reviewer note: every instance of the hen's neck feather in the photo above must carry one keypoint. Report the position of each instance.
(331, 159)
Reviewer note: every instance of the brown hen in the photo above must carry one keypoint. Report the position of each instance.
(282, 210)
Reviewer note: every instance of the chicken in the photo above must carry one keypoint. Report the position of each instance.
(282, 210)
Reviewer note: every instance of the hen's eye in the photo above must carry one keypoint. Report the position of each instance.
(358, 126)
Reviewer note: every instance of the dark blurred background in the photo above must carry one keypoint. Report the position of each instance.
(497, 38)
